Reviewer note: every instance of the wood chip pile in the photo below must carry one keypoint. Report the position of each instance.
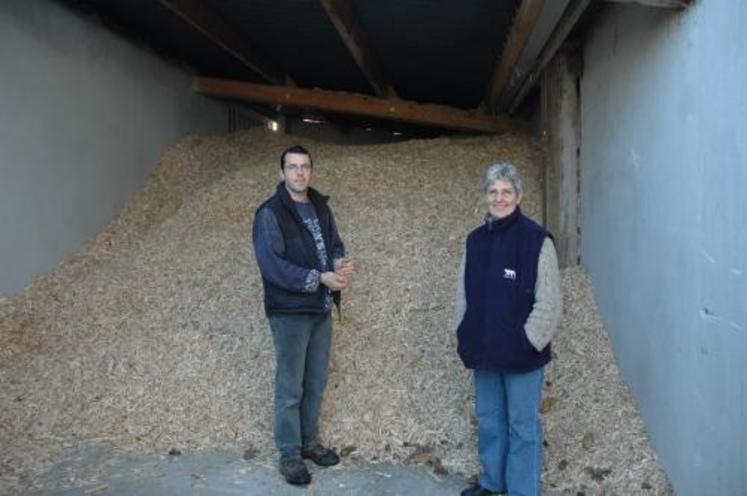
(153, 337)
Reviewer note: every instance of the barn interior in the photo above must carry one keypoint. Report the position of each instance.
(131, 318)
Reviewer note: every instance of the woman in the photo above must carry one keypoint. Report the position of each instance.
(508, 307)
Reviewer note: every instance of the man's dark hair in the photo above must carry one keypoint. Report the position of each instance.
(295, 149)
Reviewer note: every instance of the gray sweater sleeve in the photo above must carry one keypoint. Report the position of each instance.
(460, 300)
(548, 300)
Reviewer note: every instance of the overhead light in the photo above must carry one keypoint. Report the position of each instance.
(312, 120)
(396, 133)
(273, 125)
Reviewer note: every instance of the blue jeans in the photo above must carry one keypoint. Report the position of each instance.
(509, 435)
(302, 348)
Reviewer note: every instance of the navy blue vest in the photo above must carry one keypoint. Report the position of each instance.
(300, 250)
(499, 279)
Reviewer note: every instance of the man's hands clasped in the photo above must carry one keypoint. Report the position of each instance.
(340, 278)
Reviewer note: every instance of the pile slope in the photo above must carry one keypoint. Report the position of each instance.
(153, 337)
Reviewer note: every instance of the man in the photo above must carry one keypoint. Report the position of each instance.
(302, 261)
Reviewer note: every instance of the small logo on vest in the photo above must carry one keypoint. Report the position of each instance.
(509, 274)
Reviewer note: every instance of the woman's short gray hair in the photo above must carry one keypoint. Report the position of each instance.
(506, 172)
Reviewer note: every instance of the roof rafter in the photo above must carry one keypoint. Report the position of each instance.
(344, 20)
(570, 17)
(212, 25)
(521, 29)
(350, 103)
(668, 4)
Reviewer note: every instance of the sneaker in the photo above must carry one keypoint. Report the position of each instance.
(295, 472)
(324, 457)
(477, 490)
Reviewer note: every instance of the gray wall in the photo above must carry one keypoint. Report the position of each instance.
(664, 226)
(84, 116)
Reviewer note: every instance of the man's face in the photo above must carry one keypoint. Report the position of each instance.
(502, 198)
(296, 172)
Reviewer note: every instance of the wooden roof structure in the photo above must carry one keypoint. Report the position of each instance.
(465, 65)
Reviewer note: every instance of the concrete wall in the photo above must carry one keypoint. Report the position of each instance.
(664, 226)
(84, 116)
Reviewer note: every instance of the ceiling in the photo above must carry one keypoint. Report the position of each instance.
(444, 52)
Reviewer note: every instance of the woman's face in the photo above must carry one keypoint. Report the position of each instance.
(502, 198)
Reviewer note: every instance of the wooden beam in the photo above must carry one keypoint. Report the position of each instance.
(668, 4)
(226, 36)
(352, 35)
(350, 103)
(561, 124)
(522, 27)
(558, 36)
(552, 12)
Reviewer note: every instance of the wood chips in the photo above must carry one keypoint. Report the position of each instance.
(153, 336)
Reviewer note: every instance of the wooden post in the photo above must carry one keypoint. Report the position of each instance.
(561, 123)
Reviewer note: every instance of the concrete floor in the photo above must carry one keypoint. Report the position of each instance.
(99, 471)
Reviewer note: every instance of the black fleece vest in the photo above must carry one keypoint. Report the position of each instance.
(499, 282)
(300, 250)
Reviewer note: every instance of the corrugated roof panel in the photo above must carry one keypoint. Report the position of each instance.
(149, 22)
(439, 51)
(300, 38)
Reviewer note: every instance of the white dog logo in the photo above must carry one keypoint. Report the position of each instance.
(509, 274)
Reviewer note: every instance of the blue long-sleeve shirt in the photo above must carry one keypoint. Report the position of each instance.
(269, 249)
